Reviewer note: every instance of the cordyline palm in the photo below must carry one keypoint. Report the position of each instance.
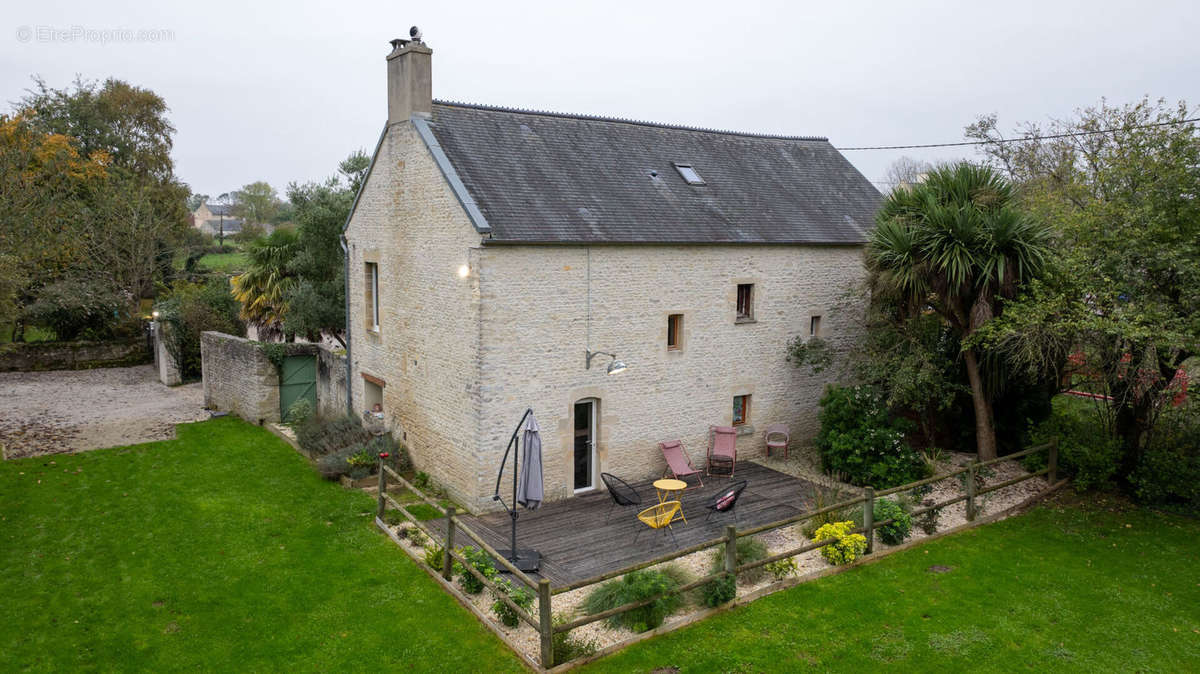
(263, 288)
(956, 244)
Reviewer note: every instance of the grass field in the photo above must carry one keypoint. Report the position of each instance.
(220, 550)
(229, 263)
(1078, 587)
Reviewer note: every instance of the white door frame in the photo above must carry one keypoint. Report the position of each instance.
(594, 412)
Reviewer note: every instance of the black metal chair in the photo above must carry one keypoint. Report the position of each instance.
(726, 500)
(622, 494)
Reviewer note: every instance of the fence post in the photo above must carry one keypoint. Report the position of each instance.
(382, 486)
(971, 468)
(1052, 461)
(730, 550)
(545, 623)
(869, 518)
(447, 560)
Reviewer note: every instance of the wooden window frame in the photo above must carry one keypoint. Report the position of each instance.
(745, 409)
(675, 325)
(746, 316)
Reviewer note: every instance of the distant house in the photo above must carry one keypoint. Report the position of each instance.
(215, 218)
(494, 252)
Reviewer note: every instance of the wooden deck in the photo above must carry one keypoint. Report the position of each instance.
(578, 539)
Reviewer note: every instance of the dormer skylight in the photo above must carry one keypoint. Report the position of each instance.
(689, 174)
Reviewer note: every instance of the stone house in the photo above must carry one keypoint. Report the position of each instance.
(211, 218)
(493, 252)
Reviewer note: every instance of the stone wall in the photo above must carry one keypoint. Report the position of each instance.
(164, 362)
(331, 383)
(425, 353)
(27, 357)
(238, 378)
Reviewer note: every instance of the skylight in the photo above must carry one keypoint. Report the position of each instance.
(689, 174)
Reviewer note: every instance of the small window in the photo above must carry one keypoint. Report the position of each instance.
(745, 301)
(814, 326)
(674, 332)
(373, 395)
(741, 410)
(371, 283)
(689, 174)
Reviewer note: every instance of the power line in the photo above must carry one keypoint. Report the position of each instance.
(1022, 139)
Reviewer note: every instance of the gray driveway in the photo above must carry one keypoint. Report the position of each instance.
(72, 410)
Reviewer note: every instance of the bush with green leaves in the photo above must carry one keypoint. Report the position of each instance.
(568, 647)
(78, 309)
(928, 520)
(435, 556)
(521, 596)
(1168, 473)
(898, 530)
(846, 547)
(720, 591)
(360, 460)
(481, 562)
(632, 587)
(1087, 451)
(749, 549)
(300, 411)
(191, 309)
(319, 436)
(782, 568)
(861, 440)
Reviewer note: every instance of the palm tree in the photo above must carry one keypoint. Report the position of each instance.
(957, 245)
(263, 287)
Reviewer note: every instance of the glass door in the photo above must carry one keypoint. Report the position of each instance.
(585, 445)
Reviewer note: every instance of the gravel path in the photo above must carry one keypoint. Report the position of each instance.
(72, 410)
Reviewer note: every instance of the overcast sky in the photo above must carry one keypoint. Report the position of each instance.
(281, 91)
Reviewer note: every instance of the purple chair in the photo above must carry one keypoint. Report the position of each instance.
(678, 463)
(776, 437)
(722, 451)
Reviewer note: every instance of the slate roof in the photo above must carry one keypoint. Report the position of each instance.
(220, 209)
(552, 178)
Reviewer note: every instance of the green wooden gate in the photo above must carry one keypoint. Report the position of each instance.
(297, 380)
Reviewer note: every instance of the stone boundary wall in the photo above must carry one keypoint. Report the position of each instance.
(240, 379)
(34, 356)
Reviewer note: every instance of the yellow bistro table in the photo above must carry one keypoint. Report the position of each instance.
(671, 490)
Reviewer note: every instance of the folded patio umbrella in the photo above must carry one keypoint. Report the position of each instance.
(529, 484)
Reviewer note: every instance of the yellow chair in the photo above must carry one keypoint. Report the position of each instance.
(660, 517)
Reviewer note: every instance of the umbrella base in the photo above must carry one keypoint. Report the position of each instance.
(525, 560)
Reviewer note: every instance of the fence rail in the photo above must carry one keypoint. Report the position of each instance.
(543, 623)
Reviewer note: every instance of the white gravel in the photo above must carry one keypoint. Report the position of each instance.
(73, 410)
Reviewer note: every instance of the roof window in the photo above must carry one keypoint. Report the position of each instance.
(689, 174)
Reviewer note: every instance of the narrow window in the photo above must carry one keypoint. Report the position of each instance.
(373, 395)
(741, 410)
(372, 295)
(814, 326)
(745, 301)
(674, 332)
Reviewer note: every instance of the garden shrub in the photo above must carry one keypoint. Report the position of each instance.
(568, 647)
(847, 548)
(77, 309)
(860, 439)
(190, 309)
(719, 591)
(359, 460)
(300, 412)
(825, 494)
(748, 550)
(481, 562)
(928, 520)
(435, 556)
(319, 437)
(896, 532)
(1087, 452)
(1169, 471)
(636, 586)
(521, 596)
(782, 568)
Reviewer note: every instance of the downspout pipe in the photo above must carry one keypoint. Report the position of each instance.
(346, 279)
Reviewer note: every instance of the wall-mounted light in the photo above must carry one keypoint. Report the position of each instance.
(464, 270)
(154, 314)
(613, 368)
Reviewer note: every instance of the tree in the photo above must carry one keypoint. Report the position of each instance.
(262, 288)
(956, 245)
(906, 172)
(1123, 295)
(257, 203)
(196, 200)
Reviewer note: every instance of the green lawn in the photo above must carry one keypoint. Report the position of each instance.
(221, 550)
(1065, 588)
(228, 263)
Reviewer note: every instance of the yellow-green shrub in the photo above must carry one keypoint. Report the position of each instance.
(847, 548)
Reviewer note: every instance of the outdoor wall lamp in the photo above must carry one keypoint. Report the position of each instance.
(464, 271)
(613, 368)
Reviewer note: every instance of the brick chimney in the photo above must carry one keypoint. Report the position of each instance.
(409, 79)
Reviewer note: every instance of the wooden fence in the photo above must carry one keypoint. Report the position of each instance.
(543, 623)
